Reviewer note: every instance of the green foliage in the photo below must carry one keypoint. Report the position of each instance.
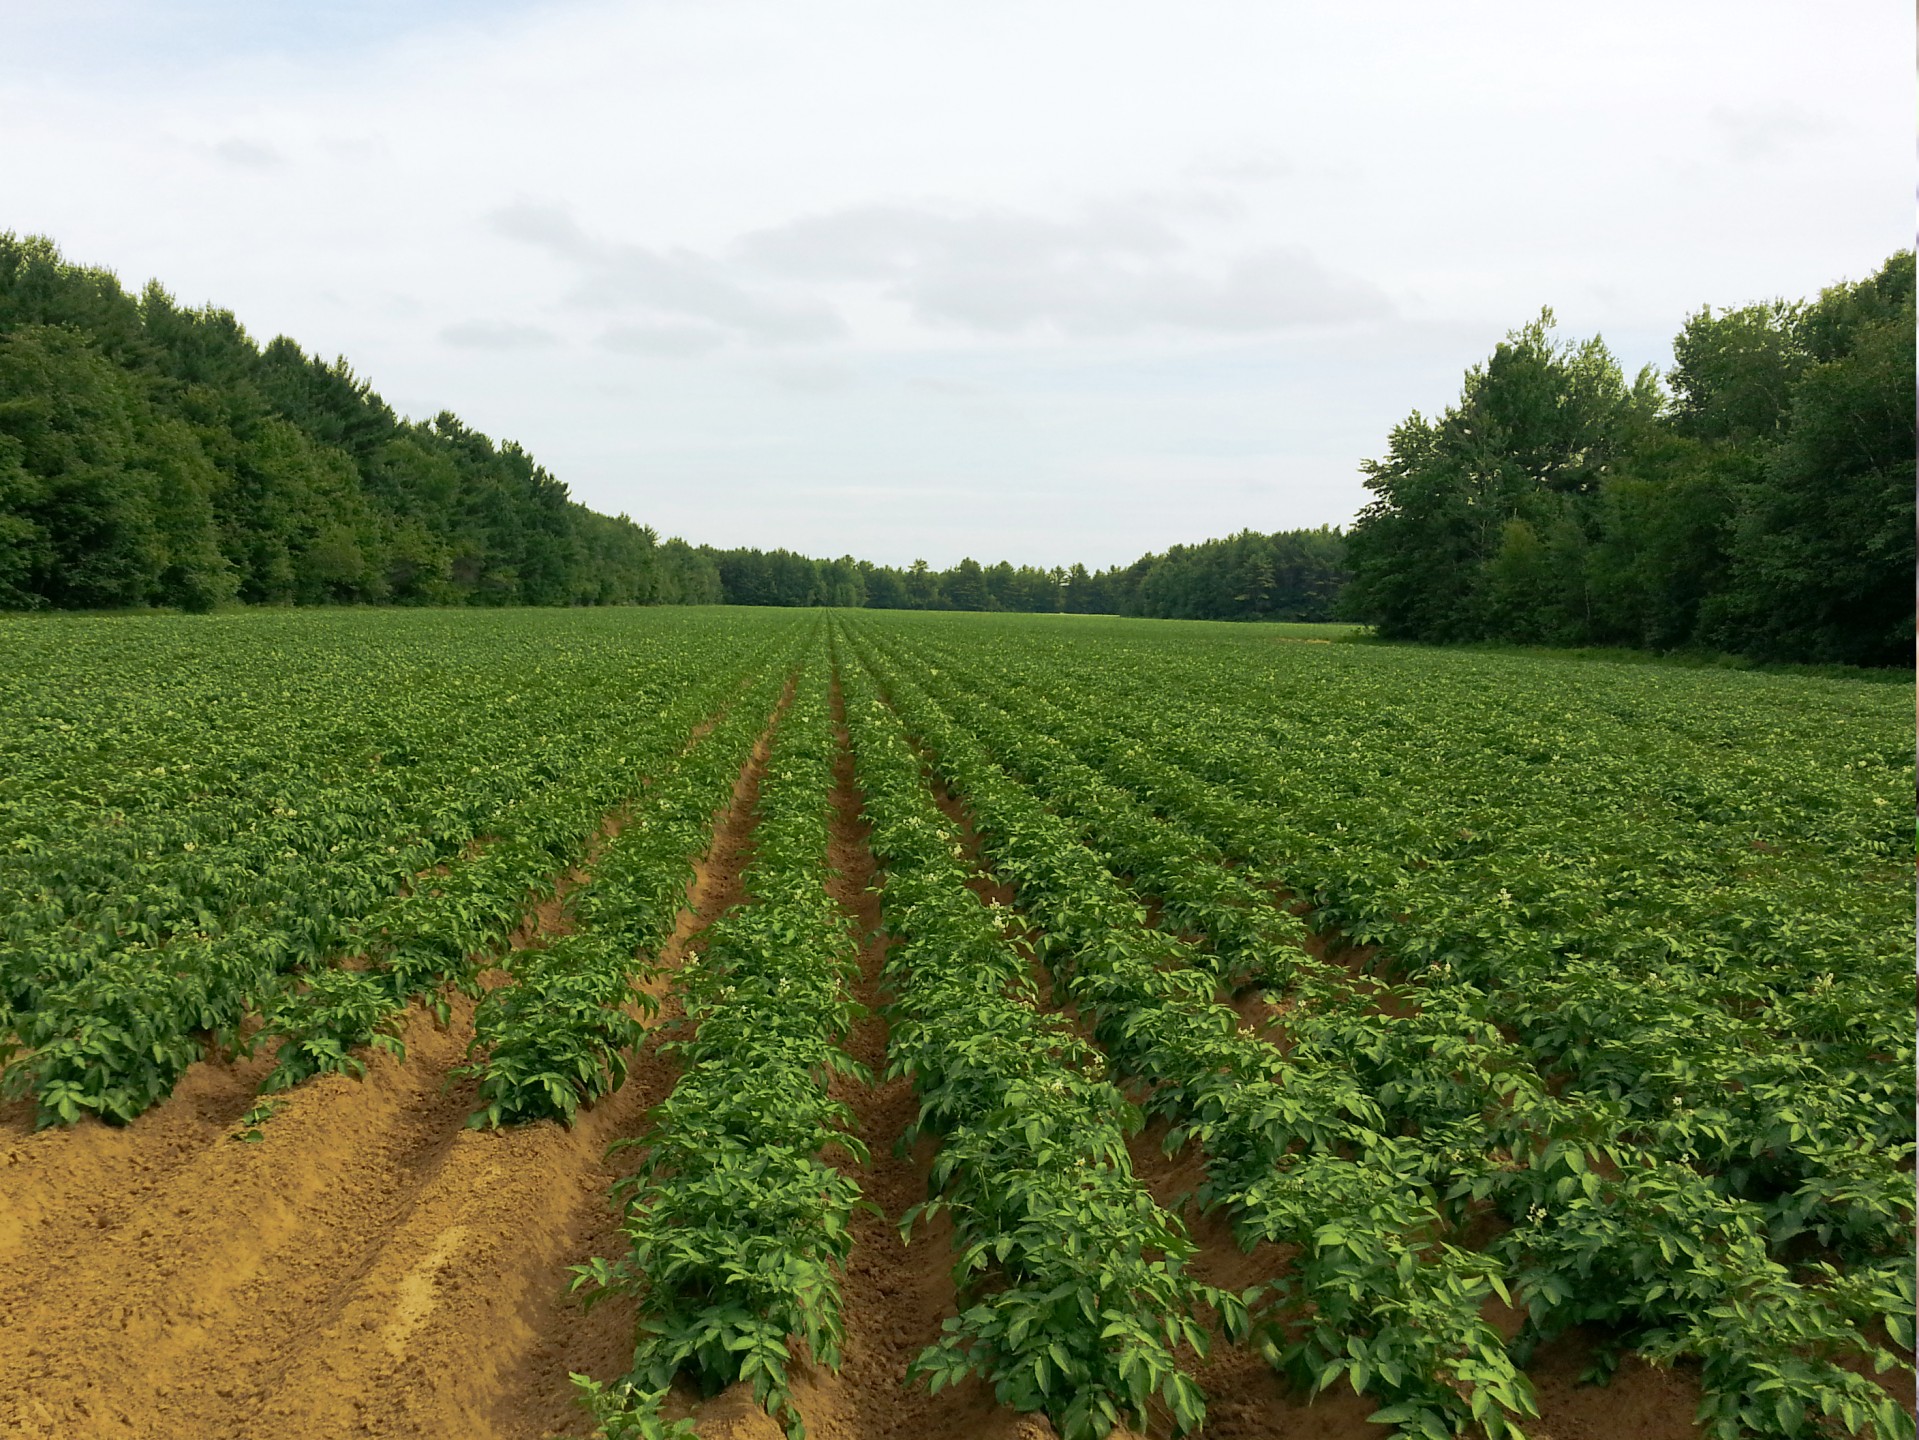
(155, 455)
(1465, 532)
(213, 830)
(557, 1037)
(780, 577)
(1074, 1295)
(1822, 548)
(621, 1411)
(1762, 507)
(1610, 962)
(320, 1027)
(107, 502)
(737, 1228)
(1664, 1257)
(1290, 575)
(1655, 1008)
(1393, 1309)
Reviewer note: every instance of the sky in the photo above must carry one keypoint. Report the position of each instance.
(1046, 281)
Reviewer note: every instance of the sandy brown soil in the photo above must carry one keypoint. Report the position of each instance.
(371, 1267)
(1246, 1398)
(895, 1295)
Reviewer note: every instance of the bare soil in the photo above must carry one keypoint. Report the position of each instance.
(896, 1294)
(370, 1267)
(1246, 1398)
(373, 1268)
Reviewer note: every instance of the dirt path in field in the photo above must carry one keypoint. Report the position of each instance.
(84, 1178)
(371, 1267)
(1246, 1398)
(895, 1295)
(462, 1325)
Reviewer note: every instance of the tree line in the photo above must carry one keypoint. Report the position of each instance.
(155, 454)
(152, 454)
(1756, 500)
(1290, 575)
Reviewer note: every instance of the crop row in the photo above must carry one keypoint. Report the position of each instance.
(1813, 1126)
(1297, 1153)
(557, 1035)
(1664, 1254)
(1749, 1023)
(337, 797)
(736, 1226)
(1075, 1297)
(112, 1035)
(437, 936)
(1605, 1231)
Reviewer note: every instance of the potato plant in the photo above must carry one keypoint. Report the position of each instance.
(737, 1225)
(296, 804)
(1296, 1153)
(557, 1035)
(1074, 1293)
(1664, 962)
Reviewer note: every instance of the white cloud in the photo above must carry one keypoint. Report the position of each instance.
(497, 335)
(810, 377)
(1117, 268)
(1765, 132)
(875, 241)
(668, 341)
(673, 282)
(1257, 164)
(247, 153)
(940, 385)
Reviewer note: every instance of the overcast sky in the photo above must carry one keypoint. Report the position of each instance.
(1044, 281)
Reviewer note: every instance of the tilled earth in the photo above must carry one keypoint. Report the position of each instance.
(371, 1267)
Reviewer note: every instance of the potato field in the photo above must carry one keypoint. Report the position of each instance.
(847, 1025)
